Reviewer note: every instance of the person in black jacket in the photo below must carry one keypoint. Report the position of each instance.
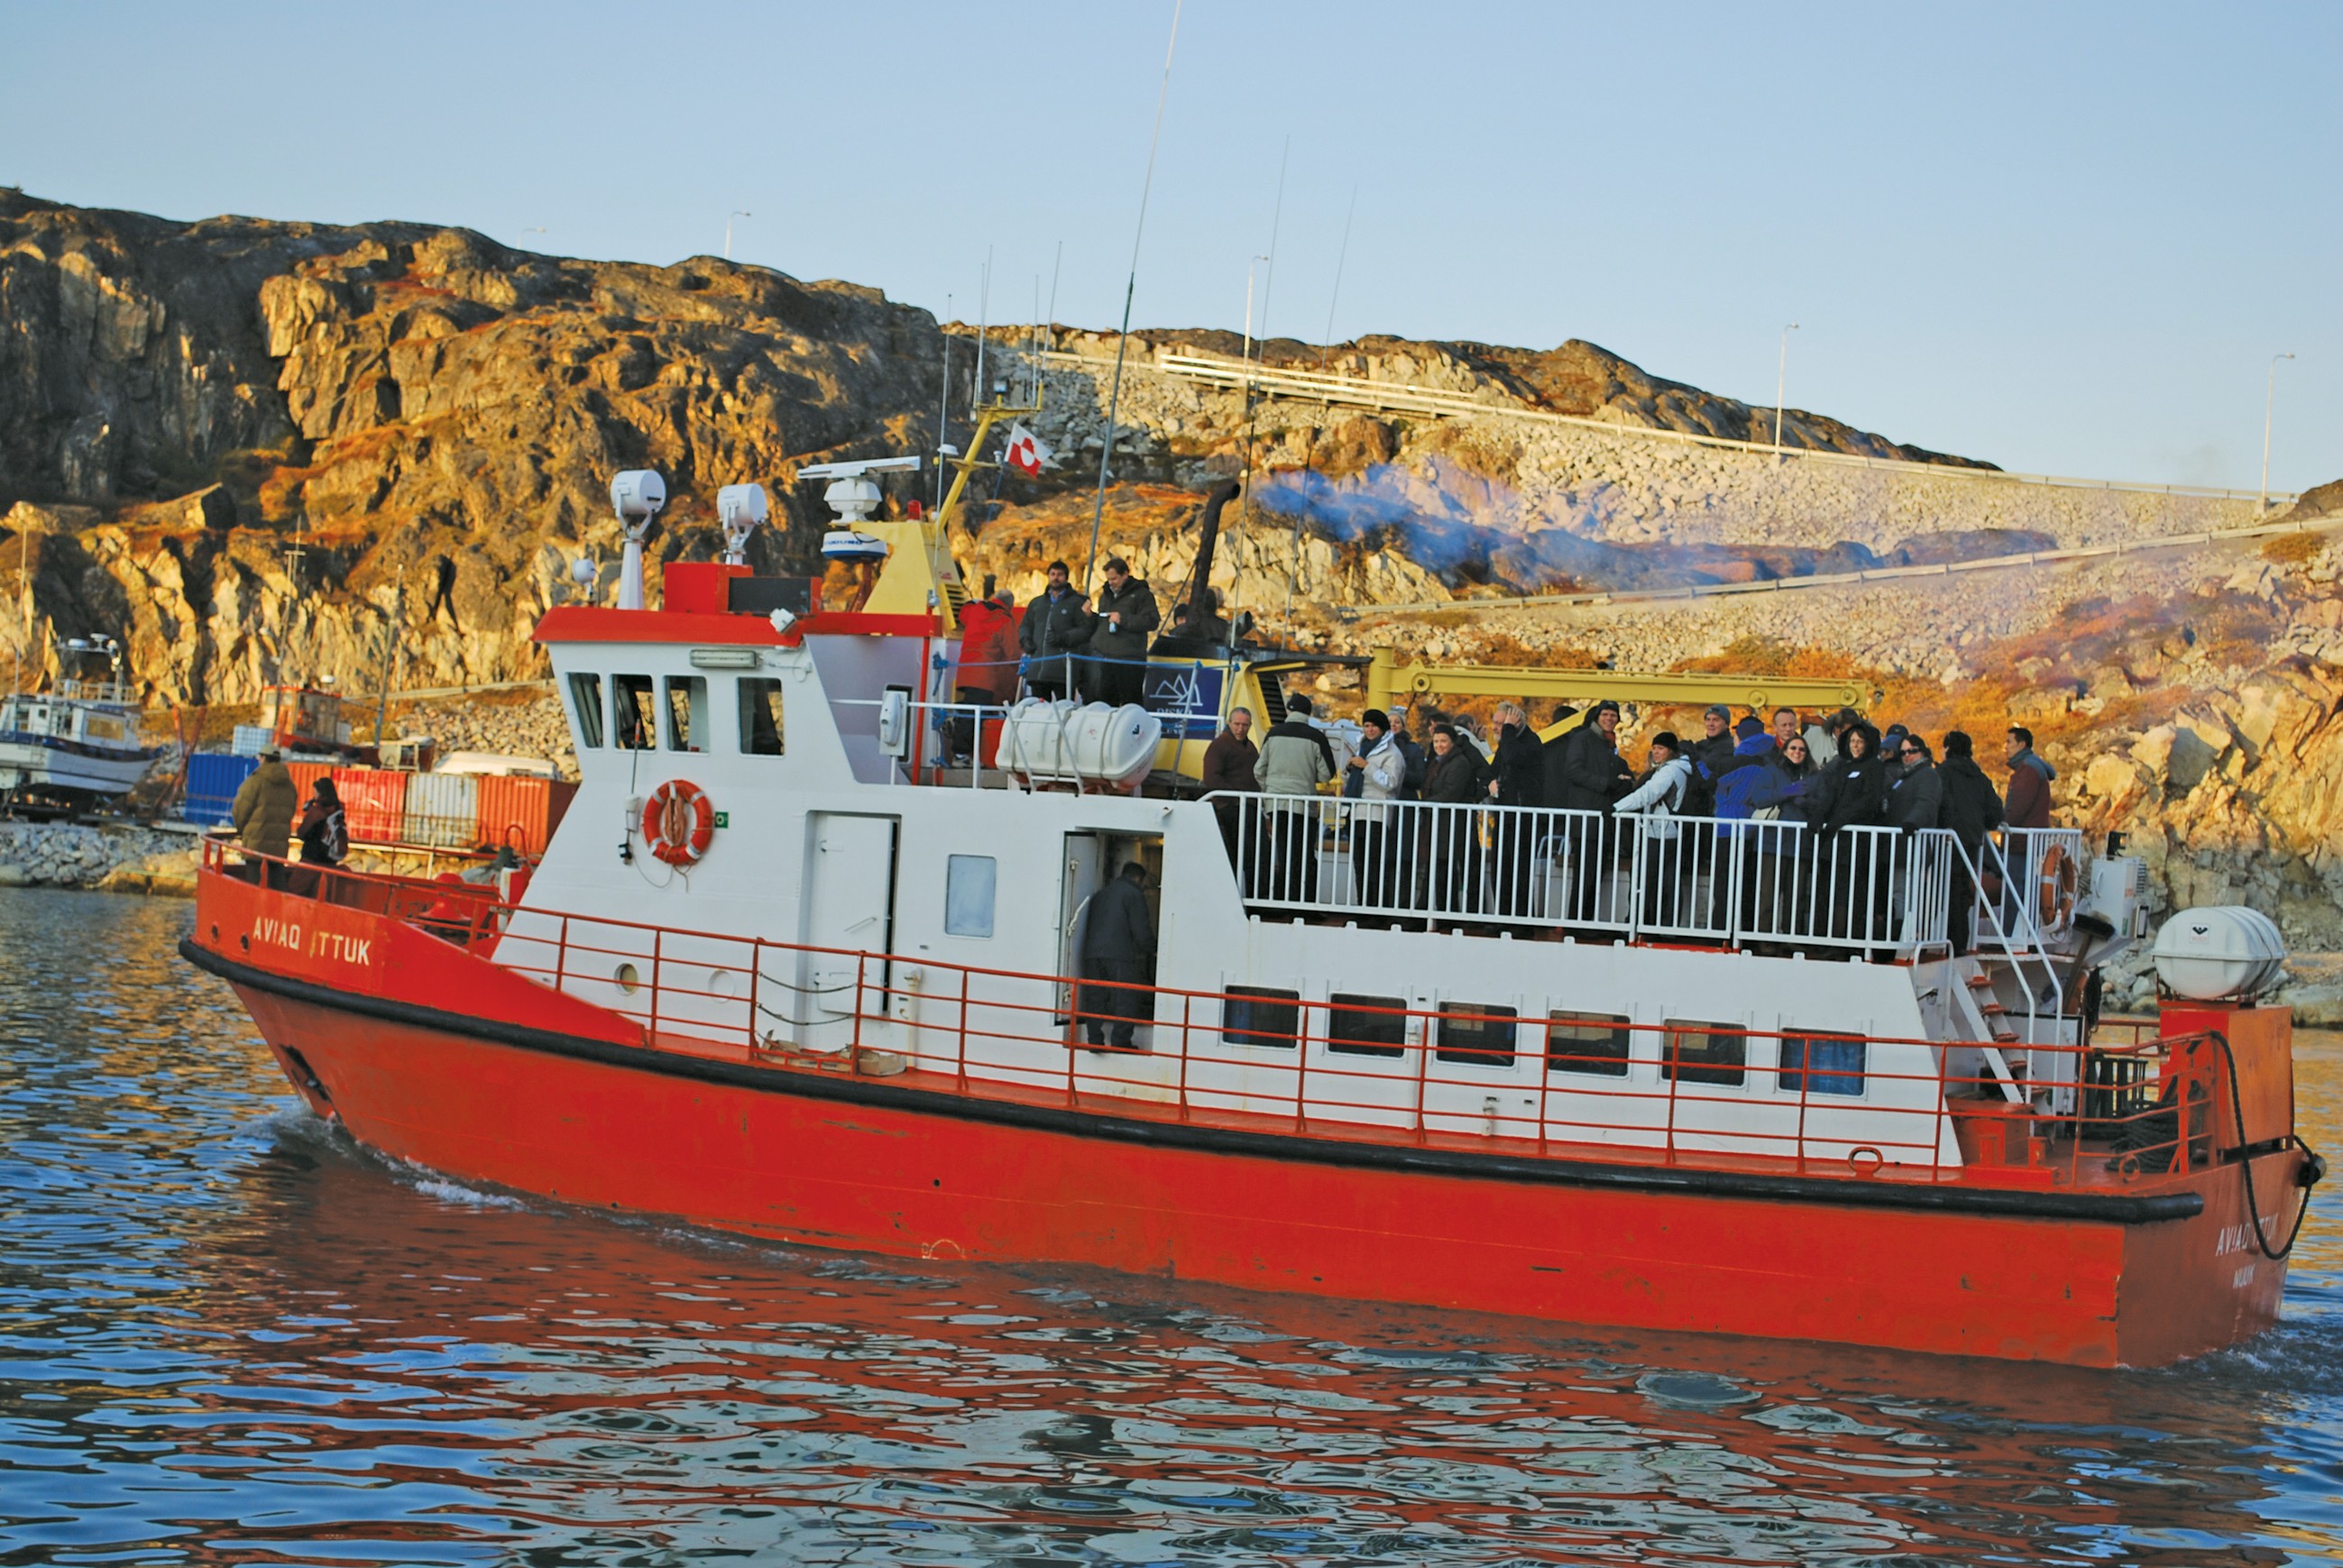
(1555, 751)
(1054, 635)
(1118, 946)
(1516, 778)
(1125, 622)
(1455, 780)
(1852, 795)
(1594, 775)
(1713, 752)
(1971, 809)
(1593, 772)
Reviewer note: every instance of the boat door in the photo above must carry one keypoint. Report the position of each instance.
(849, 904)
(1084, 874)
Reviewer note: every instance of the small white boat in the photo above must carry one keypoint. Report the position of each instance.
(77, 740)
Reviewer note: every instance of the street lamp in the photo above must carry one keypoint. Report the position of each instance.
(1781, 385)
(2269, 404)
(727, 231)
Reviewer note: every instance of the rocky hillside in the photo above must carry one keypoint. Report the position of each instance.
(251, 447)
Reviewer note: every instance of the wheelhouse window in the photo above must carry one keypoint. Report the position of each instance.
(1476, 1034)
(1590, 1042)
(687, 713)
(1366, 1025)
(761, 716)
(970, 883)
(635, 721)
(1261, 1015)
(586, 707)
(1823, 1064)
(1705, 1053)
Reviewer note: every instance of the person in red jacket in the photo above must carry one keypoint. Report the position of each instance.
(987, 673)
(2028, 802)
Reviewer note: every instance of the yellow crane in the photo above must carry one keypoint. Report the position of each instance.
(1388, 682)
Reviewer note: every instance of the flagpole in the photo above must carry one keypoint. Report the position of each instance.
(1123, 344)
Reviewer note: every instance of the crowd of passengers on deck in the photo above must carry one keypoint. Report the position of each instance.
(1790, 811)
(1823, 800)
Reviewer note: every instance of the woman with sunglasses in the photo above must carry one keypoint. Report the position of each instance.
(1773, 872)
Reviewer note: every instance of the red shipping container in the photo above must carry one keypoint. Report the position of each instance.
(374, 803)
(521, 813)
(304, 780)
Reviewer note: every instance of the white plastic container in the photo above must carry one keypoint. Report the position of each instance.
(251, 739)
(2223, 952)
(1092, 744)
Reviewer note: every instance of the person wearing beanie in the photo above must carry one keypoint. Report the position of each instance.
(1659, 797)
(1713, 752)
(1381, 767)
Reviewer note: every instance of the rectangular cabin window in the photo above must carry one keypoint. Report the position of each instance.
(103, 726)
(1476, 1034)
(761, 716)
(586, 706)
(687, 713)
(1823, 1064)
(1261, 1015)
(634, 719)
(1594, 1042)
(968, 884)
(1704, 1054)
(1366, 1025)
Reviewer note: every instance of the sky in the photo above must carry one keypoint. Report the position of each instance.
(2065, 238)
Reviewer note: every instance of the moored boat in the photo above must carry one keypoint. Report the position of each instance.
(78, 742)
(790, 968)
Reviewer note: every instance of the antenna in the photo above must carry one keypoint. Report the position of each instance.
(1123, 342)
(636, 496)
(983, 309)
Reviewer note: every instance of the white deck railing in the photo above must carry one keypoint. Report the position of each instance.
(1695, 878)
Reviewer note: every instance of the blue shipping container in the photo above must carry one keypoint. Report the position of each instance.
(213, 779)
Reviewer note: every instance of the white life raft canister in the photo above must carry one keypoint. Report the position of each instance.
(2222, 951)
(1090, 743)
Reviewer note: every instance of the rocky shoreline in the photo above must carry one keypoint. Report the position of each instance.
(111, 858)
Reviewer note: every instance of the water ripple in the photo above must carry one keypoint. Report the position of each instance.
(229, 1336)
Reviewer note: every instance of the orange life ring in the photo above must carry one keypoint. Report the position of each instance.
(678, 822)
(2058, 888)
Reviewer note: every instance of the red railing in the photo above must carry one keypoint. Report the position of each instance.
(1345, 1065)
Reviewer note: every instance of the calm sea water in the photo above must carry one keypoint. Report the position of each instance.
(227, 1336)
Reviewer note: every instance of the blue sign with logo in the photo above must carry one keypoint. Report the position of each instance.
(1186, 697)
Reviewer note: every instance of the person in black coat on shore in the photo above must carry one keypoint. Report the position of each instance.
(1118, 946)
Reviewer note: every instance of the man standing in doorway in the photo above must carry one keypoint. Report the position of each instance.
(1118, 949)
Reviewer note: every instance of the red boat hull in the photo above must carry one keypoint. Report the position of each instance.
(769, 1160)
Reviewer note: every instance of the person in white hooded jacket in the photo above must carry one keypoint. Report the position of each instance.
(1667, 862)
(1376, 856)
